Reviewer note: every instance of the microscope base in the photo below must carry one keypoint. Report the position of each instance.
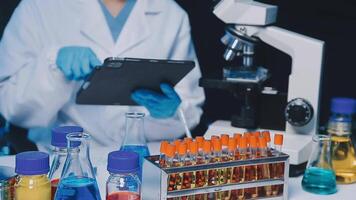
(298, 147)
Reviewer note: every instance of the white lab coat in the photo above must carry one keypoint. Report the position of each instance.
(35, 94)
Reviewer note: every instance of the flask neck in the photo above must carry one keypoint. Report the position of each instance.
(59, 157)
(325, 161)
(320, 156)
(60, 151)
(78, 161)
(134, 134)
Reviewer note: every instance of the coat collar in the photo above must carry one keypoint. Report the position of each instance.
(93, 25)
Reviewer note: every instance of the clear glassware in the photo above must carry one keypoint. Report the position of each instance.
(319, 178)
(135, 140)
(78, 180)
(59, 152)
(7, 183)
(343, 155)
(123, 182)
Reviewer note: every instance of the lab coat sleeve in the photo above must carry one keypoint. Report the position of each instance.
(191, 94)
(32, 89)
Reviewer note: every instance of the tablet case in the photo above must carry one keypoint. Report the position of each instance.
(113, 83)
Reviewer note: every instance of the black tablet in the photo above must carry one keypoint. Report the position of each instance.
(113, 83)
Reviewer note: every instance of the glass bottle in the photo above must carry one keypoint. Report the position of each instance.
(319, 178)
(7, 183)
(343, 155)
(123, 182)
(59, 143)
(135, 137)
(78, 180)
(32, 182)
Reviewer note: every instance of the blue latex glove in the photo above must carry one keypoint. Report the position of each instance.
(159, 105)
(76, 62)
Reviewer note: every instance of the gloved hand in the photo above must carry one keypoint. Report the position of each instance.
(159, 105)
(76, 62)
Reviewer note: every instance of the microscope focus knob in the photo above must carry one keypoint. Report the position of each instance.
(299, 112)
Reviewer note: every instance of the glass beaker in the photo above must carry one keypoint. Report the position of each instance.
(78, 180)
(319, 178)
(135, 137)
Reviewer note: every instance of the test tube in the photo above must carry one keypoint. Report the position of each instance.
(252, 169)
(182, 151)
(162, 156)
(277, 169)
(214, 174)
(247, 135)
(224, 144)
(231, 156)
(170, 154)
(237, 137)
(200, 141)
(263, 169)
(226, 154)
(229, 170)
(201, 177)
(239, 174)
(257, 134)
(267, 136)
(188, 141)
(189, 177)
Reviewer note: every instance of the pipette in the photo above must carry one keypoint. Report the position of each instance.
(184, 122)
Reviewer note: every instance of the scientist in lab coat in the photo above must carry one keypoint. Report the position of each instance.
(49, 46)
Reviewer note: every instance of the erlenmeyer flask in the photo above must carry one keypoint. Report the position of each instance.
(78, 180)
(319, 178)
(135, 137)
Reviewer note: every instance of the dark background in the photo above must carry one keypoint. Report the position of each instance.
(331, 21)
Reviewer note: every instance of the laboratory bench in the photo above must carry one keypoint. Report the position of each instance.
(345, 192)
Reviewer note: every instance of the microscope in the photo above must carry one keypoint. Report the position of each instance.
(247, 24)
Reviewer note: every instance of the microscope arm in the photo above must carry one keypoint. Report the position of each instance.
(305, 77)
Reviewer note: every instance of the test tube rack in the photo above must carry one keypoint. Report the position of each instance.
(155, 179)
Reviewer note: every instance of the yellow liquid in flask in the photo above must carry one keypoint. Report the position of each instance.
(343, 159)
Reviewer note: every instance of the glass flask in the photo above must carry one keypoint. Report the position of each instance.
(123, 182)
(135, 137)
(319, 178)
(78, 180)
(343, 156)
(59, 143)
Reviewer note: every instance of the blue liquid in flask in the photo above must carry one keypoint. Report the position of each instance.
(319, 181)
(142, 151)
(77, 188)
